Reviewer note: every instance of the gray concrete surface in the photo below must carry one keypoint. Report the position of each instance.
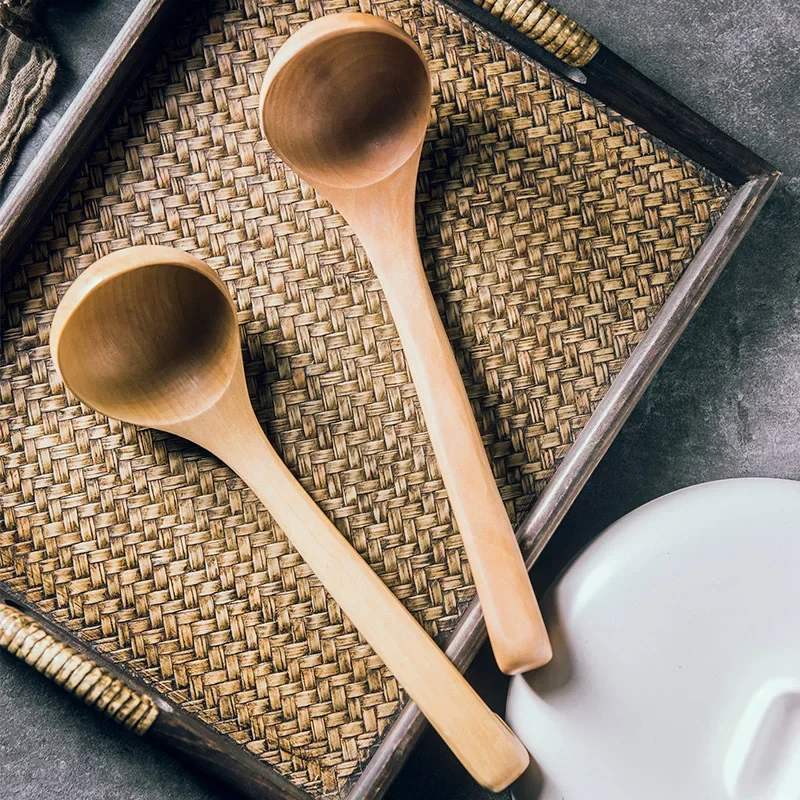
(726, 403)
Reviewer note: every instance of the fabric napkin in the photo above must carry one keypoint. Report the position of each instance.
(27, 69)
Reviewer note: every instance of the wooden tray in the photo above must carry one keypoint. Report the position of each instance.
(572, 217)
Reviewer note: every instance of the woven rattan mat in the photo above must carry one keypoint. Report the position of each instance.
(552, 230)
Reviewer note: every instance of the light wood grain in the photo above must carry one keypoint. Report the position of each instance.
(345, 103)
(149, 335)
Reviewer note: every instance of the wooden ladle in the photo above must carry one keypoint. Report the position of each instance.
(149, 335)
(345, 103)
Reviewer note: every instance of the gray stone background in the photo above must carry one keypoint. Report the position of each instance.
(725, 404)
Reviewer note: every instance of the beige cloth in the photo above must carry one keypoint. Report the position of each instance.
(27, 69)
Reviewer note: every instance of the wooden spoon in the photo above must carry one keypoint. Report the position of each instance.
(149, 335)
(345, 103)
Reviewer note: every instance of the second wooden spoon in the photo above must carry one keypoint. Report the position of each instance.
(345, 104)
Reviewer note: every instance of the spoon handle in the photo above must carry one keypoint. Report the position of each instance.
(478, 737)
(382, 215)
(513, 619)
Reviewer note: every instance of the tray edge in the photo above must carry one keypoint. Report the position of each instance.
(75, 132)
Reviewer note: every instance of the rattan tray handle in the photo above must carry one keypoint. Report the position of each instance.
(29, 641)
(76, 671)
(553, 31)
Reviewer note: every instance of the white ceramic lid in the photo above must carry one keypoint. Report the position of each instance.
(676, 673)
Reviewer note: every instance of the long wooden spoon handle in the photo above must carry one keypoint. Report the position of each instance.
(478, 737)
(513, 619)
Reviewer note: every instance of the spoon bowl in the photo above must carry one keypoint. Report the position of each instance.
(346, 100)
(151, 340)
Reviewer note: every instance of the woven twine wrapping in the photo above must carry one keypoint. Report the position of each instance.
(552, 231)
(76, 672)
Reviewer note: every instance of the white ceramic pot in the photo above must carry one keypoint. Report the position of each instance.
(676, 673)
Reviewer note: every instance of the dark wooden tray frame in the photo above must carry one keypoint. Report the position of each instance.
(607, 78)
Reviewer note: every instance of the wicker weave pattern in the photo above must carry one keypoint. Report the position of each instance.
(552, 232)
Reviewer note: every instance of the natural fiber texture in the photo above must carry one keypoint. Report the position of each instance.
(27, 70)
(551, 30)
(553, 230)
(25, 638)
